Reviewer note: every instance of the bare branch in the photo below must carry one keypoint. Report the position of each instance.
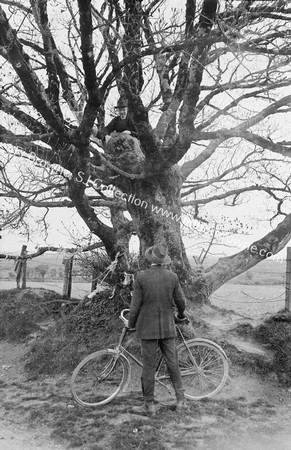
(32, 85)
(17, 5)
(189, 166)
(234, 192)
(228, 267)
(94, 94)
(43, 250)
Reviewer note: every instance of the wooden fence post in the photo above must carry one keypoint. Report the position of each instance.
(94, 279)
(67, 286)
(288, 281)
(20, 269)
(24, 266)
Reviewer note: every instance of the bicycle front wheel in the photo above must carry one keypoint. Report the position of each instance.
(99, 378)
(204, 368)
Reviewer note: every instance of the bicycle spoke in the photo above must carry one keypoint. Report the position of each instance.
(98, 378)
(203, 367)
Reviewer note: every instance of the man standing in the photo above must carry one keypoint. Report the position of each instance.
(156, 292)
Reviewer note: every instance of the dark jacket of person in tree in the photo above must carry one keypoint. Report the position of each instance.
(122, 123)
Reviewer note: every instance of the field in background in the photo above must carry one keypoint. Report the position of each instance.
(257, 291)
(266, 272)
(249, 300)
(79, 290)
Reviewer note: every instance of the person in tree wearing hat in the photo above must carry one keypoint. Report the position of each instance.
(156, 291)
(122, 123)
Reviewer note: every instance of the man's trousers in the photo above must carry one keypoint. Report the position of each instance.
(169, 351)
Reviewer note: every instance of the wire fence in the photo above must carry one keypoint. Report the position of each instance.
(251, 300)
(255, 292)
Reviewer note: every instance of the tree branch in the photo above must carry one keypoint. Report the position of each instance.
(43, 250)
(40, 13)
(231, 266)
(189, 166)
(94, 93)
(240, 130)
(197, 64)
(32, 85)
(25, 119)
(17, 5)
(235, 192)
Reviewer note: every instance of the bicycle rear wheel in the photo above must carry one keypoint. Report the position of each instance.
(204, 368)
(99, 378)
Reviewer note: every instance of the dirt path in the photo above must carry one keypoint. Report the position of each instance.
(39, 414)
(14, 437)
(258, 416)
(16, 433)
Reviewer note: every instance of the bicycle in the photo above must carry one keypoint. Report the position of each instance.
(102, 375)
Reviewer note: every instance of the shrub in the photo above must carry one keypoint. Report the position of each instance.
(90, 326)
(52, 353)
(276, 333)
(22, 310)
(15, 325)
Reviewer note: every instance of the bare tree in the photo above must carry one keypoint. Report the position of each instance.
(204, 83)
(41, 270)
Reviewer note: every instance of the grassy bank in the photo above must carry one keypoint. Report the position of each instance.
(57, 341)
(85, 326)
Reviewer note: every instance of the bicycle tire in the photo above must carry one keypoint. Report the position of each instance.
(211, 373)
(99, 377)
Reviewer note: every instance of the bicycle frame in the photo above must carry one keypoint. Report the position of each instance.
(186, 345)
(120, 349)
(203, 364)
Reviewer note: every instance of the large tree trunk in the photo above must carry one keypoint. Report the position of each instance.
(153, 201)
(156, 212)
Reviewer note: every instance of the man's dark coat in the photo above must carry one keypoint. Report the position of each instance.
(156, 292)
(118, 124)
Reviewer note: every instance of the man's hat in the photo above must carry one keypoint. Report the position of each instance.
(158, 254)
(122, 103)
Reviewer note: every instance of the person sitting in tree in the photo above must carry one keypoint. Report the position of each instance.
(122, 123)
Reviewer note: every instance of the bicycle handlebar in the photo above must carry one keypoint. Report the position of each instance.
(184, 321)
(121, 316)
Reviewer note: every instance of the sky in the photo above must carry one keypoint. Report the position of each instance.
(65, 226)
(63, 221)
